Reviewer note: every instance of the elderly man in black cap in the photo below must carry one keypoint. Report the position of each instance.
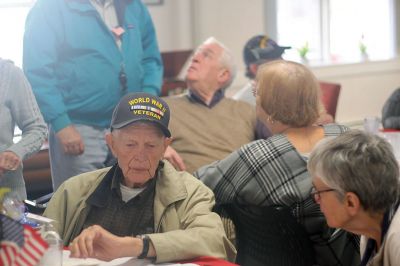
(140, 207)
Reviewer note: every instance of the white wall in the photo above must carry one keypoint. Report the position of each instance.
(174, 26)
(232, 22)
(183, 24)
(365, 87)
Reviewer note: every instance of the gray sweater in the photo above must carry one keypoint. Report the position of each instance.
(18, 107)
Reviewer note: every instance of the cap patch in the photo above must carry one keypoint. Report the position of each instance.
(154, 110)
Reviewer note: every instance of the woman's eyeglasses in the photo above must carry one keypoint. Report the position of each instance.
(316, 194)
(254, 88)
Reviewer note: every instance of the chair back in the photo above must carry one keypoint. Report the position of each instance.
(330, 95)
(269, 236)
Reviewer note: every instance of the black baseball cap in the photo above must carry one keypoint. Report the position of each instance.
(261, 48)
(141, 106)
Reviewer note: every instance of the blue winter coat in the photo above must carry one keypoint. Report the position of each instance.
(73, 62)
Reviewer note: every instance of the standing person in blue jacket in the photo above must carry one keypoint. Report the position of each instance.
(81, 57)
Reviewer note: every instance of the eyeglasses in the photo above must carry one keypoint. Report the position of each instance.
(316, 194)
(253, 85)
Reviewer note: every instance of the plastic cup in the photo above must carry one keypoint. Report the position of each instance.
(372, 124)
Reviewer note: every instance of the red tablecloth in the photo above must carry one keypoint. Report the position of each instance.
(209, 261)
(389, 130)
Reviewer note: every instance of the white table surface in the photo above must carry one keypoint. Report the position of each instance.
(67, 261)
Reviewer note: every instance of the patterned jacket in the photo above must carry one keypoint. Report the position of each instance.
(272, 172)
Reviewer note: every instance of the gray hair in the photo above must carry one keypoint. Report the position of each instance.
(361, 163)
(226, 60)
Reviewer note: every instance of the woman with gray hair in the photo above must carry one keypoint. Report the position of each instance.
(356, 183)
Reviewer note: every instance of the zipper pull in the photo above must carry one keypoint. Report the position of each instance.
(123, 80)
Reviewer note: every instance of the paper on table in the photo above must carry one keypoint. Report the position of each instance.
(81, 262)
(67, 261)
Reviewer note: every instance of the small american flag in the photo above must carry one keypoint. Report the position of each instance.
(20, 245)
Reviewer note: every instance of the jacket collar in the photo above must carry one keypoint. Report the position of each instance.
(170, 187)
(111, 183)
(85, 5)
(80, 5)
(370, 249)
(98, 197)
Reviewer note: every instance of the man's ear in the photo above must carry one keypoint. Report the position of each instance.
(167, 142)
(253, 69)
(352, 203)
(110, 142)
(223, 76)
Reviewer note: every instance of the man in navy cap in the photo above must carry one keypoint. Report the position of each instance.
(141, 207)
(258, 50)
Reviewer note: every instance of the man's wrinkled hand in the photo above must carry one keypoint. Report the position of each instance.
(71, 140)
(174, 158)
(96, 242)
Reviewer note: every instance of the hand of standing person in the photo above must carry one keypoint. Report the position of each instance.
(71, 140)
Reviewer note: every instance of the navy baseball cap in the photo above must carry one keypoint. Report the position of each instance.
(261, 48)
(135, 107)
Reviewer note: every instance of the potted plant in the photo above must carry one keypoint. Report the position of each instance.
(363, 48)
(303, 51)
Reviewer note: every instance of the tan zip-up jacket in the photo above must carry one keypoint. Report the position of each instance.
(184, 224)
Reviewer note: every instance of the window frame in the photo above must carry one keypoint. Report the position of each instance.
(271, 27)
(16, 3)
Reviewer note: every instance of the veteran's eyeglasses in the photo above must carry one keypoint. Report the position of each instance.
(316, 194)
